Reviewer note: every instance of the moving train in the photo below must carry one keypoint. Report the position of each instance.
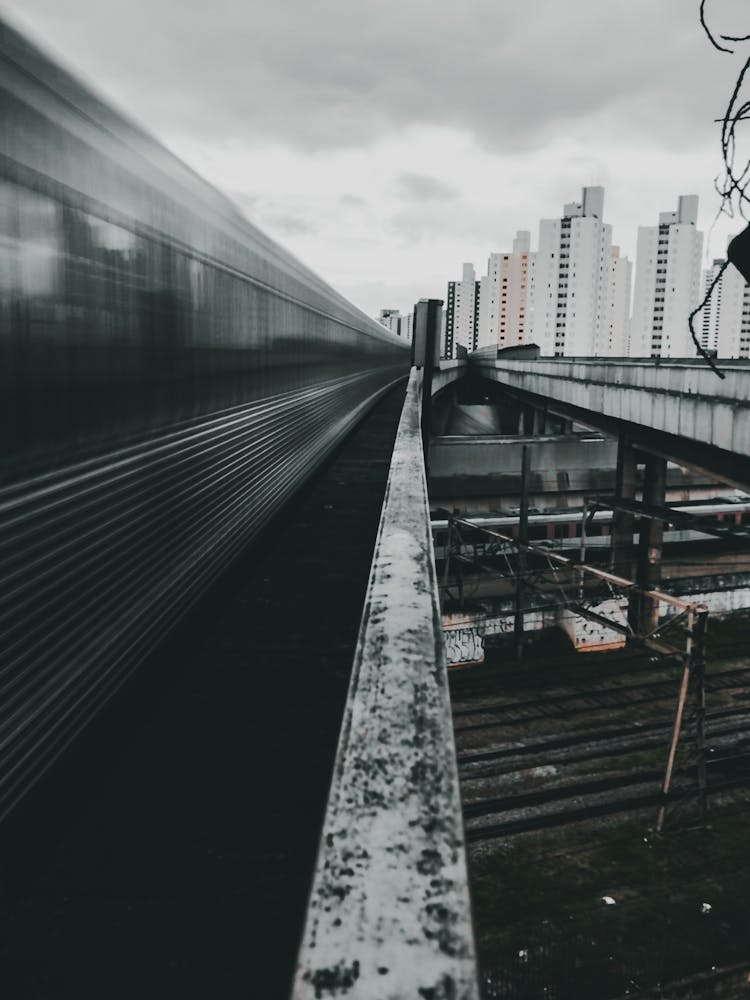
(169, 376)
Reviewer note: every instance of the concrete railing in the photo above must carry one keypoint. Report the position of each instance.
(389, 913)
(447, 372)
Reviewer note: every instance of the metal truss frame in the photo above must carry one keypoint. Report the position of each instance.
(574, 582)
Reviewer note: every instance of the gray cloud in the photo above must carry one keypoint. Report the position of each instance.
(352, 200)
(457, 222)
(382, 295)
(421, 187)
(247, 202)
(283, 223)
(339, 73)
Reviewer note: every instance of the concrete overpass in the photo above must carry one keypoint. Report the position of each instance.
(676, 410)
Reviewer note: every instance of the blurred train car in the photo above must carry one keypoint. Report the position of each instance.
(168, 376)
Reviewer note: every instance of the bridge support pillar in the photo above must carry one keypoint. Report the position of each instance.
(532, 421)
(526, 420)
(426, 355)
(623, 522)
(644, 611)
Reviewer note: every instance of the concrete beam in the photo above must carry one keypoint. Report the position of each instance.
(389, 913)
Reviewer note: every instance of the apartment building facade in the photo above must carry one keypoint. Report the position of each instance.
(580, 297)
(462, 306)
(667, 283)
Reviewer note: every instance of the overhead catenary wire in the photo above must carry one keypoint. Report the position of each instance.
(731, 188)
(707, 357)
(713, 41)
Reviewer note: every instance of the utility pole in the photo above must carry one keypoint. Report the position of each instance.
(426, 354)
(523, 538)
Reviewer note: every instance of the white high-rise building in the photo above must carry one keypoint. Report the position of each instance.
(405, 328)
(390, 319)
(504, 298)
(462, 313)
(722, 306)
(614, 329)
(489, 299)
(397, 323)
(667, 283)
(573, 303)
(724, 326)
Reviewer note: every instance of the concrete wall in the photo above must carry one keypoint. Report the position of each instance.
(466, 456)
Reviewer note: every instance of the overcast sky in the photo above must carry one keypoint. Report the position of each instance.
(386, 141)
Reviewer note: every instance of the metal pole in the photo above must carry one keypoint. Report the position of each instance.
(523, 539)
(446, 565)
(582, 554)
(699, 667)
(677, 722)
(458, 545)
(644, 615)
(426, 355)
(584, 516)
(622, 522)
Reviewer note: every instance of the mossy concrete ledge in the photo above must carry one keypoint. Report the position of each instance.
(389, 913)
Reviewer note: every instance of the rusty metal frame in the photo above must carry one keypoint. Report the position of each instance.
(693, 655)
(579, 568)
(669, 515)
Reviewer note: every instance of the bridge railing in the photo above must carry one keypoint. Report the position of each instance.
(665, 376)
(389, 912)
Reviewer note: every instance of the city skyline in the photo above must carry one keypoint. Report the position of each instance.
(529, 295)
(383, 147)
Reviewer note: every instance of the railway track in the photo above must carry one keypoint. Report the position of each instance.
(594, 744)
(564, 705)
(561, 765)
(586, 771)
(591, 799)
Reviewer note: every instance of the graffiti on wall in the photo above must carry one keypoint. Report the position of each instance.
(463, 645)
(586, 634)
(464, 634)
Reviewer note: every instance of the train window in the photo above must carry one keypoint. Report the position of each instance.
(8, 237)
(30, 243)
(111, 237)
